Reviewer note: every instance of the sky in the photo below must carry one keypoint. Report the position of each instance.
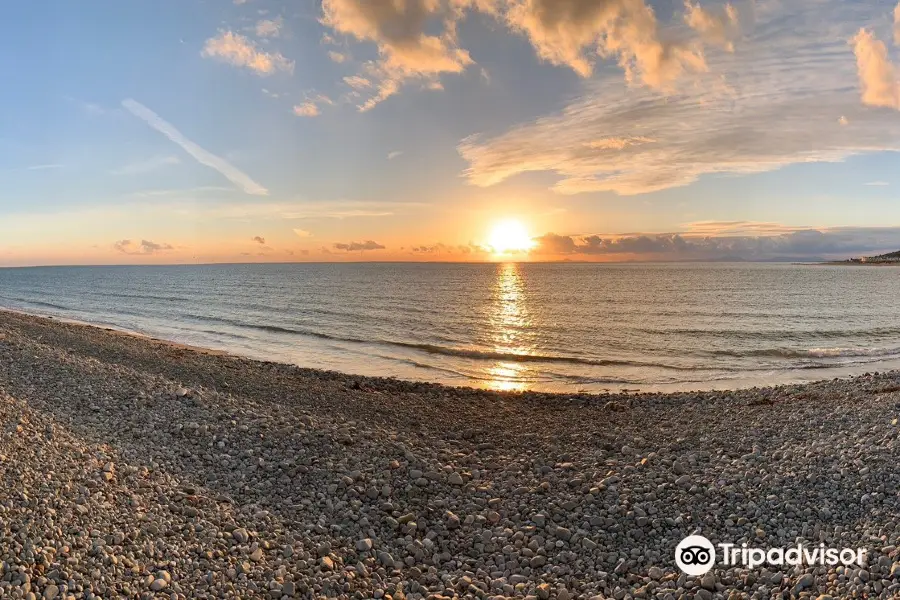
(195, 131)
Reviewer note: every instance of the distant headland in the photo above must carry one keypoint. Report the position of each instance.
(891, 258)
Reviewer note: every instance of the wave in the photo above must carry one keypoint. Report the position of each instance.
(469, 353)
(777, 334)
(836, 352)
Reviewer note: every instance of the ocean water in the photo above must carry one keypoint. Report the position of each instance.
(550, 327)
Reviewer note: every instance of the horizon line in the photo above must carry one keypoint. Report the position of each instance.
(808, 260)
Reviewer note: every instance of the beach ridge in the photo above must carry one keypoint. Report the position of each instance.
(137, 468)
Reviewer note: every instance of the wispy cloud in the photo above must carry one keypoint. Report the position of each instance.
(359, 246)
(269, 27)
(45, 167)
(307, 109)
(144, 247)
(338, 57)
(259, 240)
(204, 157)
(717, 26)
(147, 165)
(394, 154)
(182, 193)
(302, 233)
(343, 209)
(878, 183)
(739, 228)
(773, 103)
(240, 51)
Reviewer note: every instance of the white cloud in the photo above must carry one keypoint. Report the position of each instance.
(337, 57)
(269, 27)
(876, 72)
(204, 157)
(771, 104)
(878, 183)
(239, 51)
(45, 167)
(302, 233)
(307, 109)
(394, 154)
(147, 165)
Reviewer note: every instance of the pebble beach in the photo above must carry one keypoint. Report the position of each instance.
(136, 468)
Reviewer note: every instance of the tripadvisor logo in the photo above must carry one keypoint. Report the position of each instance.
(695, 555)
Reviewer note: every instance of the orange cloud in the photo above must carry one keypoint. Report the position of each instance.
(877, 75)
(239, 51)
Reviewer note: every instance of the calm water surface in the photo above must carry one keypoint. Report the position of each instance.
(558, 327)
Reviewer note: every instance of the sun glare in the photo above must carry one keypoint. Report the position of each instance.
(510, 236)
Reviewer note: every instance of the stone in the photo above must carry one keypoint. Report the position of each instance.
(364, 545)
(240, 535)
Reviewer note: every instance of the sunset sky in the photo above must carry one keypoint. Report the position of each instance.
(252, 130)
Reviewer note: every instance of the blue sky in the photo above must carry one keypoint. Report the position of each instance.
(258, 130)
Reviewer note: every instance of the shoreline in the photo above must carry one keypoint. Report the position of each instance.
(209, 475)
(799, 376)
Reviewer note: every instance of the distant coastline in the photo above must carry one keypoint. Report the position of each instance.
(881, 260)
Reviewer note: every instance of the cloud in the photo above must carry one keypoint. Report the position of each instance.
(772, 104)
(259, 240)
(897, 24)
(307, 109)
(394, 154)
(145, 247)
(359, 246)
(147, 165)
(239, 51)
(399, 30)
(833, 243)
(572, 32)
(877, 75)
(269, 27)
(843, 121)
(302, 233)
(301, 210)
(45, 167)
(446, 249)
(715, 26)
(337, 57)
(357, 82)
(229, 171)
(877, 183)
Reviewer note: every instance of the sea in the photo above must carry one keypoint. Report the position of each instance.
(561, 327)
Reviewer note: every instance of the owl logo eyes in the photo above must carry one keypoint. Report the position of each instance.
(695, 555)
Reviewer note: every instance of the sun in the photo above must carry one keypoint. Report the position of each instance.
(510, 236)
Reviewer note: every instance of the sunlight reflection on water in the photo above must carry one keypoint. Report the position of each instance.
(510, 322)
